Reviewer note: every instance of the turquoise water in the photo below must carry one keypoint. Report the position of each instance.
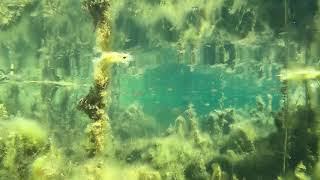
(159, 90)
(172, 87)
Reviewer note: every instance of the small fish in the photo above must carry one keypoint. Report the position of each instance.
(214, 90)
(182, 51)
(137, 94)
(195, 8)
(127, 40)
(207, 104)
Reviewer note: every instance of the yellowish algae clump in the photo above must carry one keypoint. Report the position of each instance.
(27, 129)
(299, 74)
(21, 141)
(96, 132)
(48, 166)
(3, 112)
(11, 10)
(97, 168)
(94, 102)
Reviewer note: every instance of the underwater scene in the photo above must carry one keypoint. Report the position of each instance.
(159, 89)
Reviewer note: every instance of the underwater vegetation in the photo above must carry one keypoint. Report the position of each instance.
(299, 74)
(11, 11)
(159, 90)
(93, 104)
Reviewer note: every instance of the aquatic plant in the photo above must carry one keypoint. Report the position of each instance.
(133, 123)
(180, 126)
(21, 141)
(216, 172)
(144, 173)
(11, 11)
(50, 165)
(3, 112)
(299, 74)
(93, 103)
(100, 12)
(192, 117)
